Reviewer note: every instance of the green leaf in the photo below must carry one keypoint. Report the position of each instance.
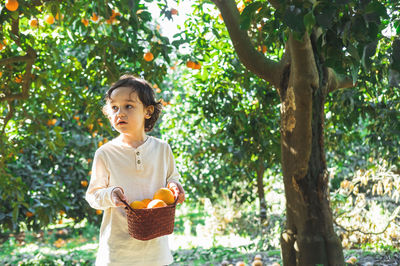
(368, 52)
(377, 8)
(309, 21)
(354, 72)
(294, 19)
(325, 16)
(353, 51)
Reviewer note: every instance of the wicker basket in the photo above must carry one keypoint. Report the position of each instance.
(146, 224)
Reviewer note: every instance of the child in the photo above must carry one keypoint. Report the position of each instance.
(130, 167)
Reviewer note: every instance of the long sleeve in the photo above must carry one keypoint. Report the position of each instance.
(98, 194)
(172, 173)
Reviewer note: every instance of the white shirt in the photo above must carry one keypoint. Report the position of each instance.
(139, 172)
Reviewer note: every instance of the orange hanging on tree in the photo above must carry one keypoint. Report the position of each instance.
(34, 22)
(12, 5)
(49, 19)
(148, 56)
(190, 64)
(94, 17)
(85, 22)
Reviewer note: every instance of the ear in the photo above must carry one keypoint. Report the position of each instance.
(149, 111)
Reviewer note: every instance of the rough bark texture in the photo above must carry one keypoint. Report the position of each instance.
(260, 191)
(302, 83)
(309, 238)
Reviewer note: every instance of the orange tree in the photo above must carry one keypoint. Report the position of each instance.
(313, 49)
(227, 139)
(56, 60)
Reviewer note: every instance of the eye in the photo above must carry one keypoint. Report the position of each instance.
(129, 106)
(114, 108)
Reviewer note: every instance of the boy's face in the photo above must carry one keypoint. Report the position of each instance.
(126, 112)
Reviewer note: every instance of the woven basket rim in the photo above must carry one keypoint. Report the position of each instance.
(148, 209)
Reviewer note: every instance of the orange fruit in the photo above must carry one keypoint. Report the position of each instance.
(174, 11)
(1, 73)
(196, 66)
(52, 122)
(148, 56)
(111, 21)
(29, 214)
(137, 205)
(12, 5)
(85, 22)
(264, 49)
(98, 212)
(34, 22)
(240, 263)
(241, 7)
(156, 203)
(49, 19)
(352, 260)
(165, 195)
(84, 183)
(94, 17)
(190, 64)
(18, 79)
(58, 16)
(146, 202)
(1, 46)
(115, 13)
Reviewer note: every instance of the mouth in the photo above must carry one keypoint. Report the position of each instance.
(121, 123)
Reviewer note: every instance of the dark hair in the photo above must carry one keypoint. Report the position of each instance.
(145, 93)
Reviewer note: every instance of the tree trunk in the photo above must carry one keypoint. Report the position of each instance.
(260, 191)
(309, 238)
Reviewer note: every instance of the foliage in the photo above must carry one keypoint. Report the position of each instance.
(53, 78)
(230, 128)
(366, 208)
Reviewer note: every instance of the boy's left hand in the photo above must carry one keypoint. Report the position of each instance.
(178, 191)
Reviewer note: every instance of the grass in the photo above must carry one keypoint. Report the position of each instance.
(200, 238)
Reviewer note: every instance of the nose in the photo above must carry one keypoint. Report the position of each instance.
(120, 113)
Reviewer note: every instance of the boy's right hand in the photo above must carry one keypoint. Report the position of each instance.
(117, 195)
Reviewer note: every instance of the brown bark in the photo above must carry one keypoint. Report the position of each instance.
(302, 82)
(252, 59)
(309, 238)
(260, 191)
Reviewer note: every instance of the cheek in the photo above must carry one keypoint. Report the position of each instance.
(111, 117)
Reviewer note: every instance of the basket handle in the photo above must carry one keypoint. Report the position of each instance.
(126, 204)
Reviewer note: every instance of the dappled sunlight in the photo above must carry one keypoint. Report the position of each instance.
(189, 242)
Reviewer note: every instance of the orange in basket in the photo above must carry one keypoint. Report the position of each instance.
(149, 223)
(164, 194)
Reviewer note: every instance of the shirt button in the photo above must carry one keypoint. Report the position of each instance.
(137, 153)
(138, 161)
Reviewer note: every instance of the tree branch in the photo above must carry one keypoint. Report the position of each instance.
(303, 68)
(253, 60)
(336, 81)
(394, 215)
(30, 58)
(11, 60)
(10, 113)
(275, 4)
